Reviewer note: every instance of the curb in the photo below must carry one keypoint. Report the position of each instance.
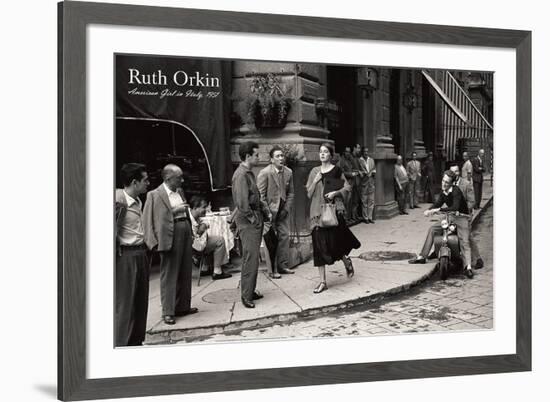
(173, 336)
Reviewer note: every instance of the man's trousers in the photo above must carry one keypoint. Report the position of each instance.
(367, 197)
(251, 238)
(132, 295)
(176, 268)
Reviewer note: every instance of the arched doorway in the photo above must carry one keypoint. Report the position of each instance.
(157, 143)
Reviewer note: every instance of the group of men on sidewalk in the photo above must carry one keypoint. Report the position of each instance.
(268, 199)
(360, 171)
(171, 226)
(408, 180)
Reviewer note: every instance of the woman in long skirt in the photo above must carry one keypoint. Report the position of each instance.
(327, 184)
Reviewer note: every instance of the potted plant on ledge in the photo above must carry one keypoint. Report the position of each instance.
(268, 102)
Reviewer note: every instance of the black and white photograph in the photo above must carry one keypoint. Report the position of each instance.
(279, 200)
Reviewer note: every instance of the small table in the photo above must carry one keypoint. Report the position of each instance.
(220, 227)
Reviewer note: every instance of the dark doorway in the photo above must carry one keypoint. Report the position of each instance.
(157, 143)
(395, 108)
(341, 85)
(428, 115)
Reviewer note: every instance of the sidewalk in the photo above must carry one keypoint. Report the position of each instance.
(388, 244)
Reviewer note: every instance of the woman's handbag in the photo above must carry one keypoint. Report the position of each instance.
(328, 216)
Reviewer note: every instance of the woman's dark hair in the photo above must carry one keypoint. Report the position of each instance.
(247, 148)
(197, 200)
(130, 172)
(327, 146)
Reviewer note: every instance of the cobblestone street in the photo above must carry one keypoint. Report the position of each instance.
(455, 304)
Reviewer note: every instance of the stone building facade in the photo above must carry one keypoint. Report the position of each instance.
(390, 111)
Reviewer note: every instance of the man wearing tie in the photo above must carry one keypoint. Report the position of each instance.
(477, 176)
(277, 191)
(368, 166)
(413, 171)
(168, 230)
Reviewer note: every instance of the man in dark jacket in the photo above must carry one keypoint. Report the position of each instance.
(477, 176)
(249, 219)
(452, 197)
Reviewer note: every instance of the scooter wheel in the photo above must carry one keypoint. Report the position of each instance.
(443, 268)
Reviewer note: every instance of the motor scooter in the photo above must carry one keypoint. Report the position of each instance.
(447, 245)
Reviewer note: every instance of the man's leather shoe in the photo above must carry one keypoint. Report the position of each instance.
(168, 319)
(479, 264)
(418, 260)
(257, 295)
(205, 273)
(371, 221)
(405, 213)
(285, 271)
(247, 303)
(192, 310)
(469, 273)
(223, 275)
(275, 275)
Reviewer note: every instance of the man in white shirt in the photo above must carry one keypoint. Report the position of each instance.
(168, 231)
(368, 166)
(414, 172)
(205, 243)
(467, 168)
(132, 263)
(401, 181)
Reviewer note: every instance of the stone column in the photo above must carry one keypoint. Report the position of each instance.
(377, 137)
(303, 133)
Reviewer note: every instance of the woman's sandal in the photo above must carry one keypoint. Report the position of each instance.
(349, 266)
(322, 286)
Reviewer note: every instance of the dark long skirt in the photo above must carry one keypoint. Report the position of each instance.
(331, 244)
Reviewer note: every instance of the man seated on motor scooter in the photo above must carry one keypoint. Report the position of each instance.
(452, 197)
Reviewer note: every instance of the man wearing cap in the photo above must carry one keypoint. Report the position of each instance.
(168, 231)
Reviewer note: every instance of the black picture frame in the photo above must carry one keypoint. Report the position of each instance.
(73, 18)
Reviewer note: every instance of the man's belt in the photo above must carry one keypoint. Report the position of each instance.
(181, 219)
(141, 246)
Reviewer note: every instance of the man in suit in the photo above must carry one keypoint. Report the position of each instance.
(428, 171)
(168, 231)
(467, 189)
(414, 173)
(249, 219)
(368, 168)
(401, 181)
(477, 176)
(132, 263)
(349, 165)
(276, 187)
(452, 197)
